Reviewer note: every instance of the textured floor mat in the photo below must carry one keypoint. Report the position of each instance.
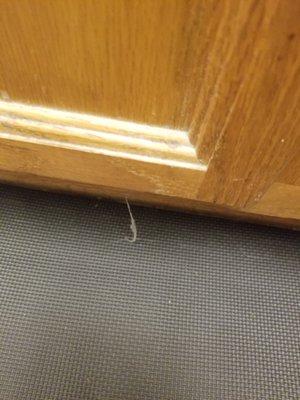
(196, 308)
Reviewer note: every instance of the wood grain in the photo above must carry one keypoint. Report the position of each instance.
(83, 149)
(126, 59)
(280, 198)
(26, 179)
(250, 131)
(43, 148)
(225, 72)
(106, 136)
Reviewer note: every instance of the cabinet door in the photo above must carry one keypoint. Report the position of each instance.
(185, 103)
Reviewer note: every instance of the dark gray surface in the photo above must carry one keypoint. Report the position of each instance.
(197, 308)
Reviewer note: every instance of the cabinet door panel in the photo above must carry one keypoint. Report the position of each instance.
(185, 103)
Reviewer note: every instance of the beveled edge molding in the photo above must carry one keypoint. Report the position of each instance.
(100, 135)
(39, 143)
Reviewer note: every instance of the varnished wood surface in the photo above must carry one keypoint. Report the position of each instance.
(127, 59)
(280, 199)
(252, 129)
(43, 148)
(224, 72)
(106, 136)
(84, 167)
(139, 197)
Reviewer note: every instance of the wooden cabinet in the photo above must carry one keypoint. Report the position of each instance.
(188, 104)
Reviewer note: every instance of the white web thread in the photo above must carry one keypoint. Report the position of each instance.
(132, 225)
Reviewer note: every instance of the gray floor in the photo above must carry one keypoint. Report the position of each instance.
(197, 308)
